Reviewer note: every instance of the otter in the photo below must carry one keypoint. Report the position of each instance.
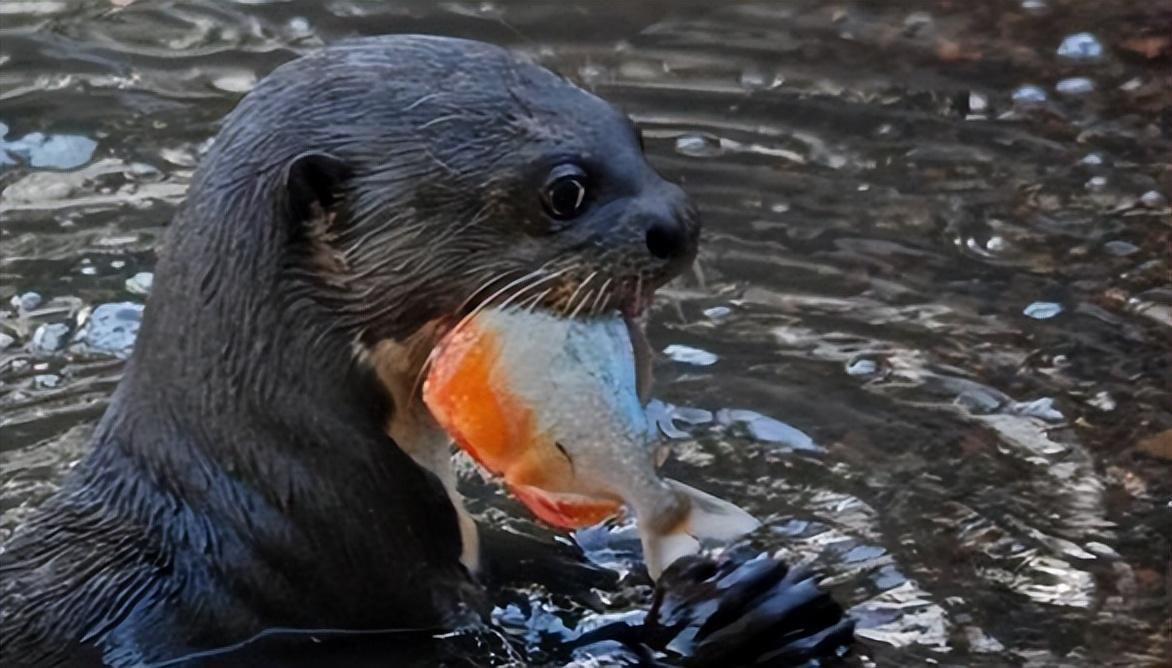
(265, 463)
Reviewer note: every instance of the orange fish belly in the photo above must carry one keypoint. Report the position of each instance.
(469, 397)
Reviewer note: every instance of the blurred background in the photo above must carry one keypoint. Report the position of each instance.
(928, 339)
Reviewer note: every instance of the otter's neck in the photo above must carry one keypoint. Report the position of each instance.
(251, 409)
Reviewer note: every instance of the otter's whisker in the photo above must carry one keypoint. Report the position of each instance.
(532, 303)
(535, 278)
(579, 307)
(599, 301)
(574, 295)
(499, 276)
(509, 286)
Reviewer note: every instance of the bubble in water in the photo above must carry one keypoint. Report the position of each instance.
(754, 78)
(51, 151)
(235, 82)
(1029, 94)
(888, 577)
(591, 72)
(1131, 85)
(768, 430)
(1043, 310)
(1043, 409)
(698, 146)
(299, 26)
(1081, 46)
(1092, 160)
(1075, 86)
(691, 415)
(1096, 183)
(28, 301)
(978, 103)
(862, 367)
(916, 22)
(690, 355)
(717, 312)
(1103, 401)
(1120, 248)
(140, 283)
(113, 327)
(50, 337)
(863, 553)
(1153, 200)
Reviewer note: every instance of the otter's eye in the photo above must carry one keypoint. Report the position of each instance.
(565, 191)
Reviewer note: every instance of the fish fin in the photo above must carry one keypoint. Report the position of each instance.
(708, 518)
(660, 550)
(712, 518)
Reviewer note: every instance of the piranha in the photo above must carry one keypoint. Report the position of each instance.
(552, 405)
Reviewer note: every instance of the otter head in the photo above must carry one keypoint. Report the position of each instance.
(368, 196)
(441, 174)
(357, 203)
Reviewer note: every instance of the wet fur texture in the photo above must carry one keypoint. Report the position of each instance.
(243, 477)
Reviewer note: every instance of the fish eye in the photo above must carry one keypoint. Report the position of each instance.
(564, 194)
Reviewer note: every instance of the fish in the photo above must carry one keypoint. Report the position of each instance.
(552, 406)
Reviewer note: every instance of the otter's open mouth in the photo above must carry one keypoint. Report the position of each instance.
(566, 294)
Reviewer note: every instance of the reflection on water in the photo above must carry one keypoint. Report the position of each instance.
(928, 338)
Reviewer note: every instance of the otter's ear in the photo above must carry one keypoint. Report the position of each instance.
(313, 182)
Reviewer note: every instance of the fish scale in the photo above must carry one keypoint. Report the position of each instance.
(551, 405)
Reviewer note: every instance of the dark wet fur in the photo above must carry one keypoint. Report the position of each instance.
(241, 478)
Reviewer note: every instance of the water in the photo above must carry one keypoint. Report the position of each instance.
(930, 332)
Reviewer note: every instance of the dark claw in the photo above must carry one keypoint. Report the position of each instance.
(744, 612)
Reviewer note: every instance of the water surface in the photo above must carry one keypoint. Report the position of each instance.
(928, 339)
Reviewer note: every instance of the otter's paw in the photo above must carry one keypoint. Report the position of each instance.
(750, 612)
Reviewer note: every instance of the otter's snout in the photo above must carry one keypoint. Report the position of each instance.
(671, 230)
(667, 239)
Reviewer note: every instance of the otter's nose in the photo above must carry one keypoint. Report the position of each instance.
(667, 239)
(671, 230)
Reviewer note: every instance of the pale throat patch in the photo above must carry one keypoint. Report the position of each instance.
(398, 365)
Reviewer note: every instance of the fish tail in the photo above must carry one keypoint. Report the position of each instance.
(708, 518)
